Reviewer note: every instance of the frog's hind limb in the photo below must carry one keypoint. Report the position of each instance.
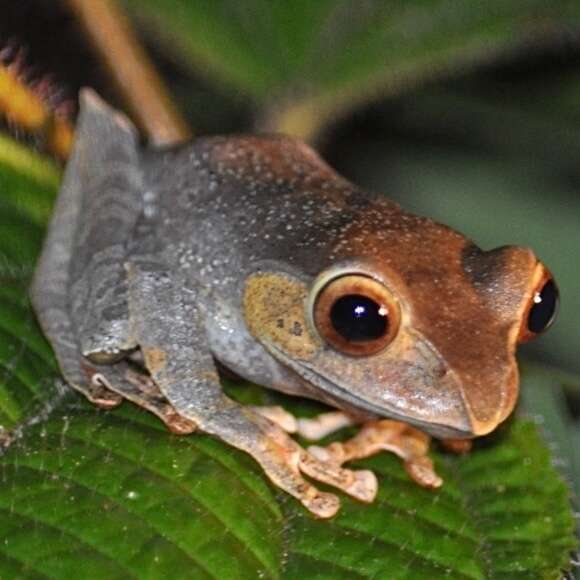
(375, 436)
(169, 328)
(140, 389)
(110, 193)
(79, 290)
(410, 444)
(66, 252)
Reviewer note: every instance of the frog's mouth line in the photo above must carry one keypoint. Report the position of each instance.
(341, 394)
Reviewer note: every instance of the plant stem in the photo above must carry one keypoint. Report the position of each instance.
(135, 76)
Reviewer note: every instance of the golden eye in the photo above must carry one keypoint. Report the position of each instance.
(542, 308)
(356, 315)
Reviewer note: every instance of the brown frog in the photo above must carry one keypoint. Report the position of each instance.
(252, 252)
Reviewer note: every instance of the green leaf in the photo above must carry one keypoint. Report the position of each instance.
(308, 61)
(544, 399)
(117, 492)
(113, 494)
(27, 187)
(485, 521)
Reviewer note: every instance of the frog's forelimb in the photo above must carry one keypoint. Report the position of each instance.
(66, 258)
(170, 330)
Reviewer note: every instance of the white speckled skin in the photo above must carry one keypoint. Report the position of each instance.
(228, 207)
(217, 220)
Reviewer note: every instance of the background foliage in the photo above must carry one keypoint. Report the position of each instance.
(466, 112)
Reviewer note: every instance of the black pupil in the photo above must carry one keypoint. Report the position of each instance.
(358, 318)
(544, 309)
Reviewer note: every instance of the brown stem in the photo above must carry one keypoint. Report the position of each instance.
(143, 90)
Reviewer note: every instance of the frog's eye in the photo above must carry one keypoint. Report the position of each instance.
(542, 309)
(356, 315)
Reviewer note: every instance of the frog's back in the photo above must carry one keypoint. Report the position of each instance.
(243, 199)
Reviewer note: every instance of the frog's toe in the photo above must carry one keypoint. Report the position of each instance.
(361, 485)
(323, 505)
(421, 470)
(331, 453)
(103, 398)
(96, 389)
(457, 446)
(365, 486)
(176, 423)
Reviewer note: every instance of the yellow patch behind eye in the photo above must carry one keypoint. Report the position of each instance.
(274, 309)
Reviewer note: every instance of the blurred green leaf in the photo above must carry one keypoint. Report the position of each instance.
(305, 61)
(114, 495)
(27, 187)
(544, 399)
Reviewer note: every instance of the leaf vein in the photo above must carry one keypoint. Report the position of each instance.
(188, 492)
(51, 525)
(113, 500)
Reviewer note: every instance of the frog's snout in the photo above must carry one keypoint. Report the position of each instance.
(448, 401)
(490, 403)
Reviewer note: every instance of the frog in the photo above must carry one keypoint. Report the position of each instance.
(163, 265)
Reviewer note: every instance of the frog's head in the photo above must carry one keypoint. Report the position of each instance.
(408, 320)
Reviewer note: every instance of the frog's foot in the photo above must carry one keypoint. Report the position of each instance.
(361, 485)
(96, 391)
(140, 389)
(410, 444)
(170, 330)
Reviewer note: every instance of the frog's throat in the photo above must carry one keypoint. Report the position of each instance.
(342, 395)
